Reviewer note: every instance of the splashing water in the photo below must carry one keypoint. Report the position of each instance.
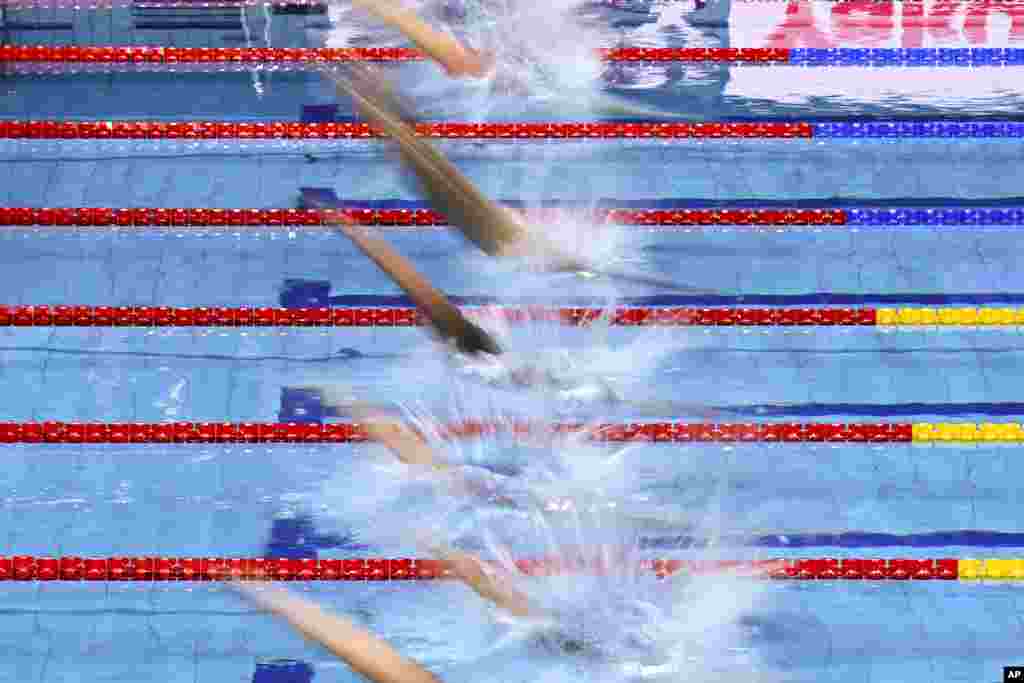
(569, 500)
(556, 496)
(545, 63)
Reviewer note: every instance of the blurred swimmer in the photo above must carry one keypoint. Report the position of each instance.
(457, 59)
(364, 652)
(411, 448)
(446, 320)
(493, 484)
(479, 356)
(496, 230)
(462, 61)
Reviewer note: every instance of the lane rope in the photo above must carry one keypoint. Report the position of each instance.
(26, 568)
(417, 216)
(148, 56)
(254, 131)
(397, 316)
(301, 58)
(347, 130)
(664, 432)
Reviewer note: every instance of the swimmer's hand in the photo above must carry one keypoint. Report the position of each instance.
(481, 578)
(474, 340)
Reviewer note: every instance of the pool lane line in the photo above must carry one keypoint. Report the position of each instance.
(388, 316)
(194, 569)
(123, 57)
(661, 432)
(316, 293)
(192, 132)
(650, 214)
(217, 58)
(845, 539)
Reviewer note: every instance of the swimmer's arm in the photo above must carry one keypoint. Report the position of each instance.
(448, 322)
(470, 571)
(445, 316)
(403, 442)
(496, 230)
(409, 447)
(364, 652)
(457, 59)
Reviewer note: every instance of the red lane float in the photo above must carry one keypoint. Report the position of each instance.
(292, 130)
(667, 316)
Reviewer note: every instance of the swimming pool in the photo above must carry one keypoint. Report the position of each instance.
(889, 247)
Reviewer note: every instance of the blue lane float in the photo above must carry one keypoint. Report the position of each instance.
(895, 57)
(892, 217)
(918, 129)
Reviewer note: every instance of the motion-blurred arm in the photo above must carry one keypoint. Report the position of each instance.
(364, 652)
(447, 320)
(495, 229)
(456, 58)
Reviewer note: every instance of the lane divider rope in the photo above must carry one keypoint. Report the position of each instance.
(343, 130)
(299, 58)
(415, 218)
(253, 131)
(420, 218)
(146, 316)
(331, 130)
(191, 569)
(661, 316)
(636, 432)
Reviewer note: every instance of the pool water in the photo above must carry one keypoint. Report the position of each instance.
(203, 500)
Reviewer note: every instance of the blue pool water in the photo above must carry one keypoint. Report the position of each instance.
(204, 500)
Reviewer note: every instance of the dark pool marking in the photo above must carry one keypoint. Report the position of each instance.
(874, 410)
(298, 538)
(188, 26)
(326, 196)
(849, 539)
(276, 670)
(299, 404)
(341, 354)
(38, 26)
(332, 113)
(122, 611)
(313, 294)
(345, 354)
